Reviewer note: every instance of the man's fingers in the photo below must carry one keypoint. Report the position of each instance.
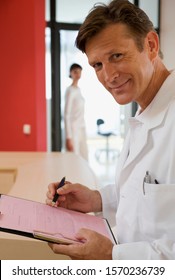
(63, 249)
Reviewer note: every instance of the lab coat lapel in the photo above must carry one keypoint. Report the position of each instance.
(125, 151)
(138, 147)
(151, 119)
(123, 156)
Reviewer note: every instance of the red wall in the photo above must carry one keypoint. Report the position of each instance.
(22, 75)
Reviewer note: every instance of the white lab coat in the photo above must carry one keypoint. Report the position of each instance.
(75, 128)
(144, 214)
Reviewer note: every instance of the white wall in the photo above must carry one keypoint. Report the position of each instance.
(167, 34)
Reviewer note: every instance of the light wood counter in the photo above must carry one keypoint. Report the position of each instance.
(27, 175)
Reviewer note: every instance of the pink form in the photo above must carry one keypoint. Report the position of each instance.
(30, 216)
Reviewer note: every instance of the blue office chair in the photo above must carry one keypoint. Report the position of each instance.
(109, 153)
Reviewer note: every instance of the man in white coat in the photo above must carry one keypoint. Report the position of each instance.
(122, 46)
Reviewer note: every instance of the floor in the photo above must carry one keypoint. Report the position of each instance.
(104, 167)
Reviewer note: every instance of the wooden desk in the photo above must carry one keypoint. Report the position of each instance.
(30, 173)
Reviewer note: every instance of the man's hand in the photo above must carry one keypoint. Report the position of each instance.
(75, 197)
(94, 247)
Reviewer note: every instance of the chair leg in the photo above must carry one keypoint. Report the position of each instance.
(107, 149)
(106, 155)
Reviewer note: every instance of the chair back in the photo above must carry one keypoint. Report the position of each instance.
(99, 122)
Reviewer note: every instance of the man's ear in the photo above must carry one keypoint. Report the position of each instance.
(152, 43)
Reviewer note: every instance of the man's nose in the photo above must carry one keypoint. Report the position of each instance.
(110, 73)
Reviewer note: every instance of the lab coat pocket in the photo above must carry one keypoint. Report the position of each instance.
(157, 211)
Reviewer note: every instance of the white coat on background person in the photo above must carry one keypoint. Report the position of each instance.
(75, 128)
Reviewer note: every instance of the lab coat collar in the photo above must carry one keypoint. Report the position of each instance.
(154, 114)
(150, 118)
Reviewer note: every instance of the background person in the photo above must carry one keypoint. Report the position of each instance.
(75, 128)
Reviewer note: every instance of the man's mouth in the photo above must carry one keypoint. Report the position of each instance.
(119, 87)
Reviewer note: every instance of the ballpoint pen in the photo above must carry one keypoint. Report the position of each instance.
(62, 182)
(147, 179)
(156, 182)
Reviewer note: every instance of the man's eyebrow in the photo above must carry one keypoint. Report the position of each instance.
(109, 53)
(92, 62)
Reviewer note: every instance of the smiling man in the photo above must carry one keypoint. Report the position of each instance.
(123, 48)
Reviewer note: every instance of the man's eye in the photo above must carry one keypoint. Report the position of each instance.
(117, 55)
(97, 66)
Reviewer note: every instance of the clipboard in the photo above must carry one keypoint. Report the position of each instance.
(47, 223)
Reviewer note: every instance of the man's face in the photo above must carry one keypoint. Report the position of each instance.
(122, 69)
